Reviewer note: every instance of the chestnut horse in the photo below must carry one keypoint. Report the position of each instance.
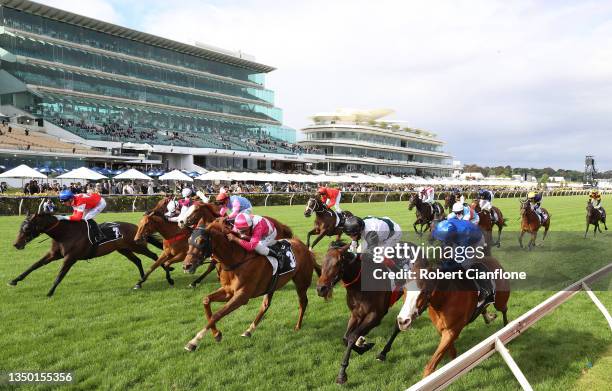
(368, 308)
(174, 245)
(425, 213)
(251, 276)
(486, 223)
(451, 304)
(70, 242)
(325, 223)
(593, 217)
(530, 222)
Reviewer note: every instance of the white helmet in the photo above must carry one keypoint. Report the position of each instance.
(186, 192)
(457, 207)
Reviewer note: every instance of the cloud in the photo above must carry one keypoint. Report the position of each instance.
(488, 76)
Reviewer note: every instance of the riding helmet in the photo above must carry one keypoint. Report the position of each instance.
(65, 195)
(186, 192)
(353, 225)
(243, 221)
(458, 207)
(321, 190)
(222, 196)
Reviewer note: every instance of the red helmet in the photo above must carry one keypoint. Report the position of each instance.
(222, 196)
(322, 190)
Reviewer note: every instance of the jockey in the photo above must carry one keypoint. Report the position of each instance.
(330, 197)
(238, 204)
(461, 234)
(256, 234)
(176, 208)
(426, 194)
(486, 203)
(85, 207)
(463, 212)
(595, 200)
(372, 232)
(536, 199)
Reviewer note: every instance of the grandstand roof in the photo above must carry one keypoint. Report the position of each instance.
(134, 35)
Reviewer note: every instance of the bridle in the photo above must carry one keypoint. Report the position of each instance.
(31, 234)
(318, 207)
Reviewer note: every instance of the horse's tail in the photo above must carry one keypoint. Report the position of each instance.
(155, 242)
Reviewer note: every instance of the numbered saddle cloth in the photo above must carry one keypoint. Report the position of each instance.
(286, 263)
(110, 231)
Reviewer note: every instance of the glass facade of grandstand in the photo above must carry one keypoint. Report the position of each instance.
(375, 148)
(107, 87)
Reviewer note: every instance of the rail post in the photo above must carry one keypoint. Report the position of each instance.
(20, 205)
(134, 204)
(266, 200)
(353, 198)
(370, 197)
(291, 199)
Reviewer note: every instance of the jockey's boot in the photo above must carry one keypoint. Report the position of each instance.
(95, 234)
(274, 281)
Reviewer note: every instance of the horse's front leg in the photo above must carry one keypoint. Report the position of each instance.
(318, 239)
(382, 356)
(198, 280)
(238, 299)
(220, 295)
(447, 339)
(499, 231)
(68, 262)
(587, 229)
(532, 242)
(310, 233)
(165, 256)
(521, 238)
(416, 231)
(47, 258)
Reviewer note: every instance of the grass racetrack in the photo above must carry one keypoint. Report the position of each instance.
(113, 337)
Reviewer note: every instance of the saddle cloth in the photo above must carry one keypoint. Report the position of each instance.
(287, 261)
(110, 231)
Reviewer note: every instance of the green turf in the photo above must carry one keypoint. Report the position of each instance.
(113, 337)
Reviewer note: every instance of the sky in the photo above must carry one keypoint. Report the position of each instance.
(520, 83)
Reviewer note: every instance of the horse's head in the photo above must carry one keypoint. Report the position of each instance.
(525, 206)
(449, 200)
(146, 226)
(198, 211)
(311, 206)
(336, 259)
(160, 208)
(200, 248)
(32, 227)
(412, 201)
(416, 298)
(475, 205)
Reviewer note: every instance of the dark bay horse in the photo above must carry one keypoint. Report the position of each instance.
(530, 222)
(251, 276)
(425, 213)
(368, 308)
(486, 223)
(70, 242)
(325, 223)
(451, 304)
(594, 217)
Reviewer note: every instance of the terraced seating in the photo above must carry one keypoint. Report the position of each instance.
(37, 141)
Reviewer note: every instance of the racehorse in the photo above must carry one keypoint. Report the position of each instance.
(161, 207)
(368, 308)
(593, 217)
(425, 213)
(530, 222)
(251, 276)
(451, 304)
(486, 222)
(70, 242)
(174, 244)
(327, 222)
(449, 201)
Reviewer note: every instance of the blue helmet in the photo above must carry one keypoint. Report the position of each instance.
(65, 195)
(445, 231)
(459, 232)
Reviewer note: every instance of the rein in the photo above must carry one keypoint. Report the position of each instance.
(347, 284)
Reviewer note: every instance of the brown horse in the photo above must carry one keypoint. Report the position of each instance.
(174, 246)
(425, 213)
(449, 201)
(251, 277)
(326, 221)
(530, 222)
(594, 217)
(368, 308)
(486, 223)
(451, 304)
(70, 242)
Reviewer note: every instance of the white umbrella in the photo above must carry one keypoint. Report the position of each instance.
(23, 172)
(133, 174)
(83, 173)
(175, 175)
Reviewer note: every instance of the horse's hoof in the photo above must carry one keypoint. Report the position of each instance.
(190, 347)
(341, 379)
(381, 357)
(247, 334)
(171, 282)
(170, 269)
(50, 294)
(137, 286)
(11, 283)
(192, 285)
(219, 337)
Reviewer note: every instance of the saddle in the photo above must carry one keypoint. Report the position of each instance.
(100, 234)
(341, 217)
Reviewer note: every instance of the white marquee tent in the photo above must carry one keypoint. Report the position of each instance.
(175, 175)
(82, 173)
(133, 174)
(23, 172)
